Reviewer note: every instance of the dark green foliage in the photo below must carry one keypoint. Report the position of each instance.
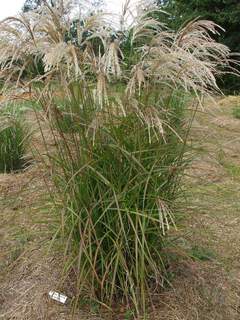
(225, 13)
(35, 68)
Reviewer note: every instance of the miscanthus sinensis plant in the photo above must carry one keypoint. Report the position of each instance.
(120, 154)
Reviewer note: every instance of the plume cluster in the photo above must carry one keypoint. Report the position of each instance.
(189, 58)
(86, 47)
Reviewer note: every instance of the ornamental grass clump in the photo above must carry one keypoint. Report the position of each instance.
(236, 112)
(118, 165)
(14, 141)
(118, 182)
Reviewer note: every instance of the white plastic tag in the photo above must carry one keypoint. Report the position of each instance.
(58, 297)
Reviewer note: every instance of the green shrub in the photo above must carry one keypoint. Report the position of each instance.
(14, 139)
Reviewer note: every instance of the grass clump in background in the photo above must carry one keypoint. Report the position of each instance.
(14, 141)
(236, 112)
